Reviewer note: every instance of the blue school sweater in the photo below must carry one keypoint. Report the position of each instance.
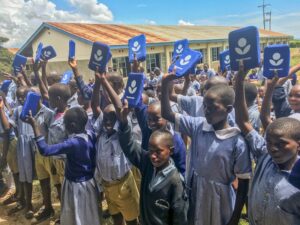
(81, 154)
(179, 154)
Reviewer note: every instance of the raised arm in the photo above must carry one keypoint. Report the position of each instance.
(166, 110)
(95, 102)
(85, 90)
(115, 99)
(241, 112)
(44, 74)
(27, 81)
(266, 104)
(42, 87)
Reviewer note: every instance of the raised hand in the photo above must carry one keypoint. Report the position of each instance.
(135, 65)
(242, 73)
(30, 120)
(72, 63)
(99, 76)
(123, 113)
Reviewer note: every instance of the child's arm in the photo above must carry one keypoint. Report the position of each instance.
(174, 96)
(42, 87)
(241, 112)
(27, 81)
(166, 110)
(45, 149)
(84, 89)
(95, 102)
(131, 148)
(4, 120)
(240, 201)
(266, 104)
(110, 91)
(44, 74)
(179, 205)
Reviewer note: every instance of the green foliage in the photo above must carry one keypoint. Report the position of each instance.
(6, 59)
(295, 44)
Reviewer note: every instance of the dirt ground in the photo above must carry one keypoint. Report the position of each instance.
(19, 218)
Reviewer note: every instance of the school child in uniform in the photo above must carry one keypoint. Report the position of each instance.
(150, 120)
(163, 199)
(274, 156)
(286, 104)
(79, 194)
(219, 154)
(113, 170)
(25, 155)
(59, 94)
(9, 149)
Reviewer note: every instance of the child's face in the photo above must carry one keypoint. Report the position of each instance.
(53, 101)
(261, 92)
(294, 98)
(214, 110)
(21, 96)
(158, 152)
(109, 120)
(155, 120)
(281, 148)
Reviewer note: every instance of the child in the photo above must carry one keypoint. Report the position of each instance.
(274, 157)
(218, 155)
(79, 195)
(150, 120)
(25, 155)
(9, 148)
(163, 199)
(113, 168)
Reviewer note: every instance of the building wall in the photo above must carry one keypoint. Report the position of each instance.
(60, 42)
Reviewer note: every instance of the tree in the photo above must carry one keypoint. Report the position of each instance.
(3, 40)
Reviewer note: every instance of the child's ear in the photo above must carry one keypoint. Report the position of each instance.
(172, 150)
(229, 108)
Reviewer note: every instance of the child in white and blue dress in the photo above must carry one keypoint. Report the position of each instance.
(79, 192)
(275, 155)
(219, 154)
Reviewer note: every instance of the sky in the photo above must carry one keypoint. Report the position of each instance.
(20, 18)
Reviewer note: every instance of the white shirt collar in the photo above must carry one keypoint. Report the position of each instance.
(221, 134)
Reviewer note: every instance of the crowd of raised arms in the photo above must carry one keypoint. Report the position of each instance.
(193, 149)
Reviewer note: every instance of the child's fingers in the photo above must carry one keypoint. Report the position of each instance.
(30, 114)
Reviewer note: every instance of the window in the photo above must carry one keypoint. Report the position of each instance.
(121, 65)
(270, 43)
(163, 62)
(204, 54)
(215, 53)
(152, 61)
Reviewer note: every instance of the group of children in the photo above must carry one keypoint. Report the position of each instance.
(86, 142)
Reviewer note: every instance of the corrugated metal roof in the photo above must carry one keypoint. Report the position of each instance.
(113, 34)
(13, 50)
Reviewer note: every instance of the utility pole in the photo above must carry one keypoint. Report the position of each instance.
(269, 19)
(263, 6)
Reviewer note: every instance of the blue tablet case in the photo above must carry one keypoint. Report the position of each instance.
(48, 53)
(5, 86)
(38, 54)
(225, 60)
(276, 57)
(186, 62)
(19, 61)
(244, 46)
(179, 47)
(67, 76)
(71, 49)
(137, 46)
(134, 88)
(99, 57)
(31, 103)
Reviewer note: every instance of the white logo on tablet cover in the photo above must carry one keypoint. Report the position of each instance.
(227, 59)
(243, 48)
(179, 49)
(132, 88)
(47, 54)
(186, 60)
(276, 59)
(136, 46)
(98, 55)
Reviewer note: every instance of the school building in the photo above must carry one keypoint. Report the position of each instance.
(210, 40)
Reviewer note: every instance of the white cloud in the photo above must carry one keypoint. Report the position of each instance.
(150, 22)
(20, 18)
(185, 23)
